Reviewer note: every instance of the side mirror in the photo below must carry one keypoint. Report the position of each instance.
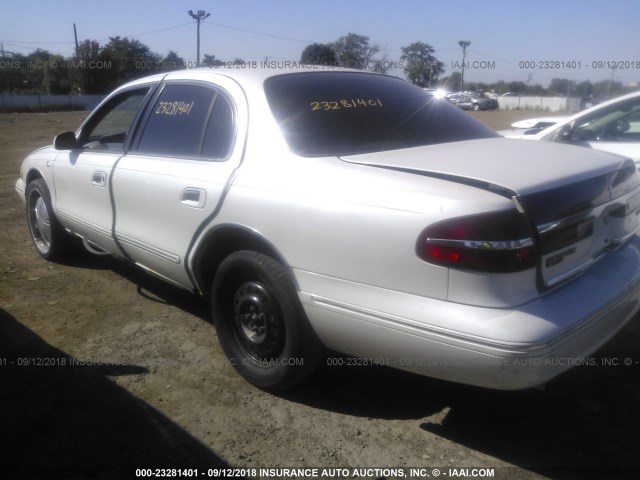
(65, 141)
(622, 126)
(564, 134)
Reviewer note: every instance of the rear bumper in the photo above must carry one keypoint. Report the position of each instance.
(508, 349)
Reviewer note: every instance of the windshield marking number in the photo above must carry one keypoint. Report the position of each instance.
(351, 103)
(174, 108)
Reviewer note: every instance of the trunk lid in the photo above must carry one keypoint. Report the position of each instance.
(578, 203)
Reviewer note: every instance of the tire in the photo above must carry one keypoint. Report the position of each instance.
(260, 322)
(49, 237)
(476, 107)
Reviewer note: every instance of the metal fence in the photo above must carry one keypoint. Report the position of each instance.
(45, 103)
(548, 104)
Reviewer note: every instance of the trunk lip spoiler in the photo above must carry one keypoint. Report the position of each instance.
(543, 284)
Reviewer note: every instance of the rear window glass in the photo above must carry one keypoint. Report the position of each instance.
(347, 113)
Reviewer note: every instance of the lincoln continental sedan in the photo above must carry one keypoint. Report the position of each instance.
(328, 209)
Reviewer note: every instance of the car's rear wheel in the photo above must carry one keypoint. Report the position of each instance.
(49, 237)
(476, 107)
(260, 323)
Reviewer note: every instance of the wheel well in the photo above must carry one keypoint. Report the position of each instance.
(221, 242)
(33, 175)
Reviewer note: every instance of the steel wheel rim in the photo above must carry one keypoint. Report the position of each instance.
(40, 223)
(257, 322)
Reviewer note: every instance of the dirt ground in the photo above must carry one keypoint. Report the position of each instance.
(128, 374)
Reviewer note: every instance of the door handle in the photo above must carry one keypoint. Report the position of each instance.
(193, 197)
(99, 179)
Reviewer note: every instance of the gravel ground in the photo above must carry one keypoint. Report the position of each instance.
(126, 373)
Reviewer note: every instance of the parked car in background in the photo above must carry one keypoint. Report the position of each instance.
(351, 211)
(492, 98)
(612, 126)
(468, 101)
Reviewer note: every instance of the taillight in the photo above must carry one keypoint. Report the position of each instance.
(498, 242)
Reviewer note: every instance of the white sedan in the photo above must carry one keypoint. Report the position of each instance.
(612, 126)
(351, 211)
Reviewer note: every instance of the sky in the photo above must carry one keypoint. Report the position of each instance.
(529, 41)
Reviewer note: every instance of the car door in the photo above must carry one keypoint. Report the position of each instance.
(82, 175)
(615, 129)
(174, 178)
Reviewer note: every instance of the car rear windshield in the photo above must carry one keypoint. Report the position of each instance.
(348, 113)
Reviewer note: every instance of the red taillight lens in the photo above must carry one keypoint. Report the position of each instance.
(499, 242)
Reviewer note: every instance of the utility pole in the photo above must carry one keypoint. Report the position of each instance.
(613, 71)
(464, 44)
(198, 16)
(75, 34)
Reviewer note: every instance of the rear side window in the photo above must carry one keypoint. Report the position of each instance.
(347, 113)
(188, 121)
(219, 133)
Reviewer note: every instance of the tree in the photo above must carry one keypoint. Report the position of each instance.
(354, 51)
(517, 87)
(173, 61)
(584, 89)
(452, 82)
(319, 54)
(562, 86)
(536, 90)
(211, 61)
(130, 59)
(45, 73)
(87, 77)
(421, 66)
(608, 89)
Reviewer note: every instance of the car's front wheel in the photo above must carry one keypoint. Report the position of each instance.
(476, 107)
(49, 237)
(260, 323)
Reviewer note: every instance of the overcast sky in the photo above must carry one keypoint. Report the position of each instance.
(503, 34)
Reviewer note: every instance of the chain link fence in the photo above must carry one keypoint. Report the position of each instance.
(48, 103)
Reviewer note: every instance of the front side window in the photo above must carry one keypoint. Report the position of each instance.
(110, 127)
(188, 121)
(619, 123)
(347, 113)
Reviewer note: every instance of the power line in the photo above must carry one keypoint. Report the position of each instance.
(20, 42)
(259, 33)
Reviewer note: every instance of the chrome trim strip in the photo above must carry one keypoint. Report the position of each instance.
(91, 226)
(570, 220)
(483, 244)
(132, 242)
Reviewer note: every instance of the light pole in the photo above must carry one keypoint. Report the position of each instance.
(464, 44)
(198, 16)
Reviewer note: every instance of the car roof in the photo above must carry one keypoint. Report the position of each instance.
(242, 74)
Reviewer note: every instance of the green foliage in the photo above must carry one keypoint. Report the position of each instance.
(39, 72)
(354, 51)
(319, 54)
(421, 68)
(452, 82)
(130, 59)
(211, 61)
